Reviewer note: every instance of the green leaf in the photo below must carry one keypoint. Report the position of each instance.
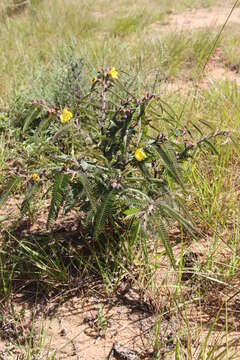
(166, 243)
(212, 147)
(102, 214)
(134, 232)
(87, 189)
(131, 211)
(170, 160)
(30, 118)
(142, 166)
(59, 192)
(44, 123)
(73, 196)
(175, 214)
(61, 131)
(31, 191)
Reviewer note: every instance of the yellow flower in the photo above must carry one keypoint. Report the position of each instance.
(140, 154)
(66, 116)
(35, 177)
(94, 80)
(113, 73)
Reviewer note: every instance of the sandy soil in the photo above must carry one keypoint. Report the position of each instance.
(204, 18)
(197, 19)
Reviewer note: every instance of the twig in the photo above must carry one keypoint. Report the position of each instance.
(199, 142)
(104, 103)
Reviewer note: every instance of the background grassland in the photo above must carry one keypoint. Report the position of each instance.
(33, 44)
(103, 30)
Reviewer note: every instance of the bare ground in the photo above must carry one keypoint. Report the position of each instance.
(216, 71)
(197, 19)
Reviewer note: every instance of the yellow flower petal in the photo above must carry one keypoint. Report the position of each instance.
(140, 154)
(66, 116)
(113, 73)
(35, 177)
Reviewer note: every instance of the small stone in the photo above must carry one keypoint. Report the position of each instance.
(122, 353)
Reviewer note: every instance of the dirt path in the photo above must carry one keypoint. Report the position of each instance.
(215, 73)
(199, 18)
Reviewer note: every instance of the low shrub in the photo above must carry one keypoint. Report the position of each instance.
(111, 155)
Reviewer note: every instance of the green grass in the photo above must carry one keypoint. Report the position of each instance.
(230, 48)
(33, 47)
(30, 39)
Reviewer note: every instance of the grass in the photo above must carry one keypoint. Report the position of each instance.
(34, 42)
(20, 36)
